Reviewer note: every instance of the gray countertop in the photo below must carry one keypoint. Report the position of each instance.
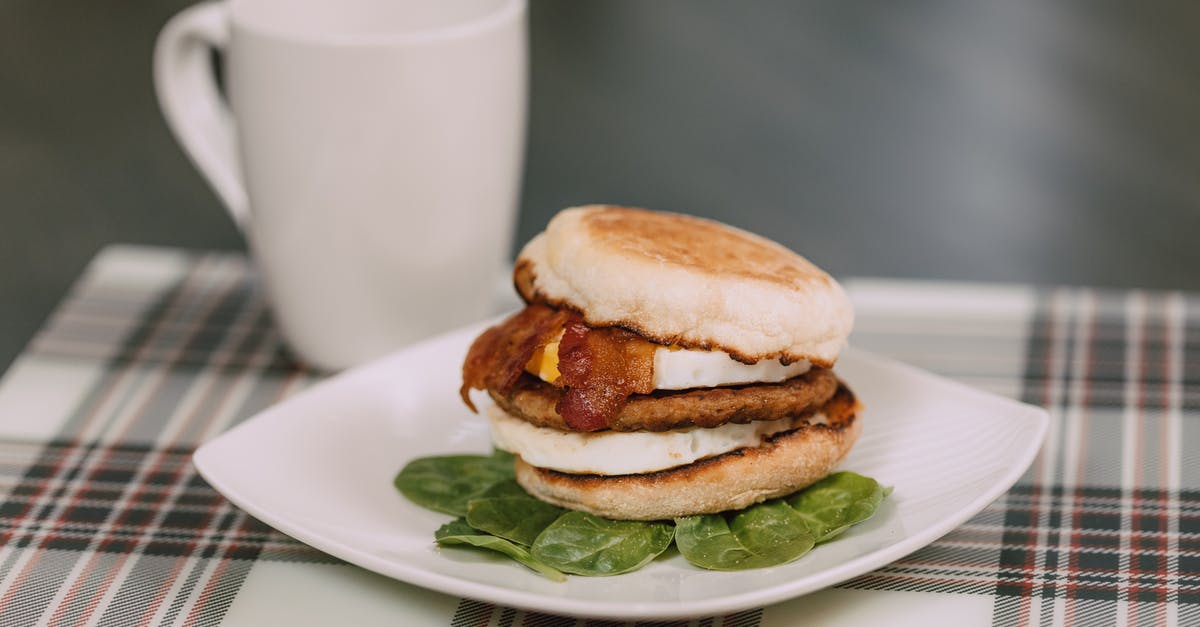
(1022, 141)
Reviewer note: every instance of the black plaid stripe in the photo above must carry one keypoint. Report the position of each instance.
(135, 500)
(1107, 324)
(85, 326)
(1091, 568)
(1101, 361)
(93, 520)
(470, 613)
(1047, 548)
(103, 517)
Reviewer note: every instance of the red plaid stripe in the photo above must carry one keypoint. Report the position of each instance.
(1105, 528)
(114, 503)
(109, 522)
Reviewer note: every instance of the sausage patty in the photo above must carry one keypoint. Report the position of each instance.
(533, 400)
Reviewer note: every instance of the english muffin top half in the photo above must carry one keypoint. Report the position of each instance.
(688, 282)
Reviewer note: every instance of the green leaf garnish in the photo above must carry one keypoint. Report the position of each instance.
(831, 505)
(517, 518)
(458, 532)
(583, 544)
(767, 534)
(495, 514)
(445, 484)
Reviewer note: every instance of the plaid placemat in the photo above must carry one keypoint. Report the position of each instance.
(103, 520)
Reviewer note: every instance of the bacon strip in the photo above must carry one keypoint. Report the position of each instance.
(601, 368)
(497, 358)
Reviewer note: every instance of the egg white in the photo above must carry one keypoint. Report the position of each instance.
(618, 453)
(621, 453)
(685, 369)
(682, 369)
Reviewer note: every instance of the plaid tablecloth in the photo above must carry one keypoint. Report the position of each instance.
(103, 520)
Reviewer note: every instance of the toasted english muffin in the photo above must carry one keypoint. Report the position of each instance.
(590, 384)
(686, 281)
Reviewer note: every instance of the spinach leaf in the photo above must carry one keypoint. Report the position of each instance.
(454, 528)
(767, 534)
(831, 505)
(445, 484)
(582, 544)
(517, 518)
(509, 487)
(458, 532)
(497, 515)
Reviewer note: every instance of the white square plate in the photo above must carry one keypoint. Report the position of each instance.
(319, 467)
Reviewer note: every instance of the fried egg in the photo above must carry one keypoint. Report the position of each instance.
(626, 452)
(681, 369)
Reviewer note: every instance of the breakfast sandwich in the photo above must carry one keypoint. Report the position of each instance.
(665, 365)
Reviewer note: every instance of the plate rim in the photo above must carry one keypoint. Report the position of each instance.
(594, 608)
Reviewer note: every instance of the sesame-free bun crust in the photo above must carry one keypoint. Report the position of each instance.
(682, 280)
(783, 464)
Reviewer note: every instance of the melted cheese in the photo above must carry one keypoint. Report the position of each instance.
(544, 363)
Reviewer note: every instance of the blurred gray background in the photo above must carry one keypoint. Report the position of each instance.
(1013, 141)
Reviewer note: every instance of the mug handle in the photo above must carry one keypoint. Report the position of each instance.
(192, 103)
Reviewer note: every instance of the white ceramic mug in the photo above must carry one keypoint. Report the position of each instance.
(370, 151)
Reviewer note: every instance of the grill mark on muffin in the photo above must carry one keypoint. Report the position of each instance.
(756, 259)
(525, 282)
(696, 243)
(787, 357)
